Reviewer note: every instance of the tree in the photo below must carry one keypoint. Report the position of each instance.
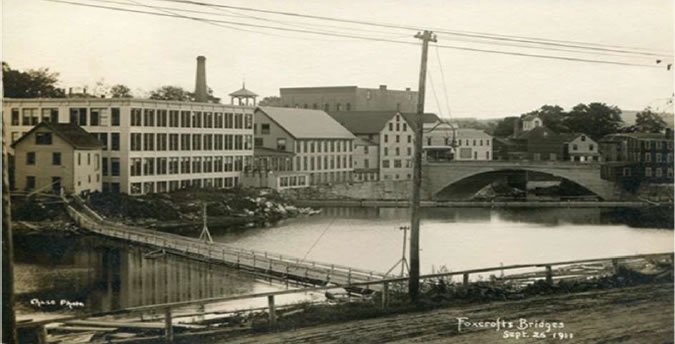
(505, 127)
(120, 91)
(270, 101)
(171, 93)
(649, 122)
(553, 117)
(594, 119)
(34, 83)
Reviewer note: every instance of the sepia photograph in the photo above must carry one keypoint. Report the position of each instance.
(373, 171)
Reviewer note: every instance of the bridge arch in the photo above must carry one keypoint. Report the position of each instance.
(441, 176)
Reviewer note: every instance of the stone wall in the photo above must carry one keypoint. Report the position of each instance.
(372, 190)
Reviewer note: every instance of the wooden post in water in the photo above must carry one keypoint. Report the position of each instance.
(168, 326)
(549, 275)
(615, 265)
(385, 292)
(272, 311)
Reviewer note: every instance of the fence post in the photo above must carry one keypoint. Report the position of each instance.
(465, 279)
(168, 326)
(549, 275)
(349, 276)
(272, 311)
(385, 292)
(615, 265)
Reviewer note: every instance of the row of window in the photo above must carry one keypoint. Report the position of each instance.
(139, 117)
(657, 172)
(190, 119)
(326, 107)
(31, 159)
(185, 142)
(311, 163)
(648, 144)
(397, 151)
(173, 185)
(396, 163)
(398, 126)
(657, 157)
(319, 146)
(397, 138)
(186, 165)
(292, 181)
(31, 182)
(591, 147)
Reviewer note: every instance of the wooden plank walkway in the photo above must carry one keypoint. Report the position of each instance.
(265, 263)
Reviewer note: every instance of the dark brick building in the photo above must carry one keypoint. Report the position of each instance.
(349, 98)
(638, 157)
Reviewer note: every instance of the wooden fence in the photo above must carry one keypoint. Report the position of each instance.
(549, 275)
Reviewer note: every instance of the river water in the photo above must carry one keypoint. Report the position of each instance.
(106, 275)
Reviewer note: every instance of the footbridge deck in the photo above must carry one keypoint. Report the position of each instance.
(263, 263)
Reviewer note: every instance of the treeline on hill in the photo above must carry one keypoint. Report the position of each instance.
(593, 119)
(42, 83)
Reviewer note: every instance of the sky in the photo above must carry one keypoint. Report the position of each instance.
(86, 45)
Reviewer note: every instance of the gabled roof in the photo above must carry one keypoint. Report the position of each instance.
(372, 122)
(529, 117)
(71, 133)
(569, 137)
(426, 118)
(306, 123)
(363, 122)
(536, 131)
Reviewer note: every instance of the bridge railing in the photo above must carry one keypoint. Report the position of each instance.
(548, 275)
(564, 163)
(242, 258)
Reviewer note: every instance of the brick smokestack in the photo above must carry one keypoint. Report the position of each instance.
(201, 94)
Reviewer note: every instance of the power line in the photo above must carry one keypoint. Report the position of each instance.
(433, 90)
(228, 13)
(344, 35)
(579, 45)
(445, 90)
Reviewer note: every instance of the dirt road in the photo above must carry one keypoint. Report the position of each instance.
(642, 314)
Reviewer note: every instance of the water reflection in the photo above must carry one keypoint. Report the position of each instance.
(661, 217)
(107, 275)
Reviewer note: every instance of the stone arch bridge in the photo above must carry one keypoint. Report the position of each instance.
(438, 177)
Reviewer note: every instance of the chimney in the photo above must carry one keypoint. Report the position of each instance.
(517, 127)
(407, 89)
(201, 94)
(383, 87)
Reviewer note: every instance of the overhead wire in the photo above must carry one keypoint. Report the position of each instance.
(233, 14)
(344, 35)
(443, 83)
(319, 238)
(580, 45)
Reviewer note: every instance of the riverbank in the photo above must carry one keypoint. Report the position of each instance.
(179, 212)
(641, 314)
(404, 203)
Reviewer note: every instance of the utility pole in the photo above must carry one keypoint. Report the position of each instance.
(8, 316)
(414, 282)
